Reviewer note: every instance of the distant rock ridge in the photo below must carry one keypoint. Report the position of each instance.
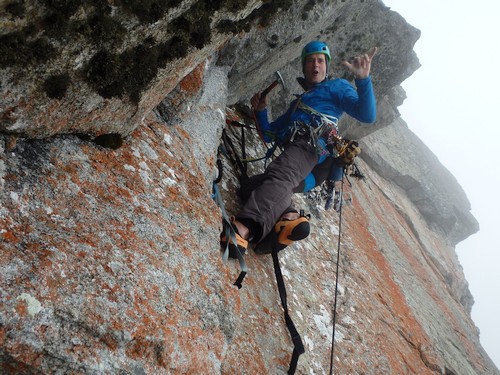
(110, 120)
(399, 156)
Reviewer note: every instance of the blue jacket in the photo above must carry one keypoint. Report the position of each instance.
(332, 97)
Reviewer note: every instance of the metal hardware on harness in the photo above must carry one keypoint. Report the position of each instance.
(326, 131)
(299, 129)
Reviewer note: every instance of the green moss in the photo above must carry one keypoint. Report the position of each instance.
(103, 73)
(214, 5)
(131, 71)
(174, 48)
(181, 25)
(16, 8)
(228, 26)
(65, 7)
(144, 64)
(101, 29)
(55, 25)
(234, 5)
(202, 34)
(149, 10)
(55, 86)
(17, 49)
(195, 24)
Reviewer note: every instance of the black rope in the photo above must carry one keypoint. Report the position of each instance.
(337, 278)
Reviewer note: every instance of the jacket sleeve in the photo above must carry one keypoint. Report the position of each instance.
(361, 103)
(263, 126)
(271, 131)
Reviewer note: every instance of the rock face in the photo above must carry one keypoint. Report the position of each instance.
(111, 116)
(398, 155)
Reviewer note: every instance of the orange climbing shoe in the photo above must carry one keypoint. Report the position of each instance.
(241, 244)
(285, 232)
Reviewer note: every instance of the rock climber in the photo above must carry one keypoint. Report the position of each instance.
(305, 132)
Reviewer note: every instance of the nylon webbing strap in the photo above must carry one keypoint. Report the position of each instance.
(230, 235)
(298, 346)
(312, 111)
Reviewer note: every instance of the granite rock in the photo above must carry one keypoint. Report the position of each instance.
(110, 122)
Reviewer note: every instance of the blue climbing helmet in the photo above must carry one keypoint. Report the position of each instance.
(315, 47)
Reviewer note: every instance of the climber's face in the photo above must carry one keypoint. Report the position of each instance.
(315, 68)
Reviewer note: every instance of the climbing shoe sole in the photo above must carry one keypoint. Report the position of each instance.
(284, 234)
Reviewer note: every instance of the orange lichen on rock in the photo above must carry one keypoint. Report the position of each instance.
(193, 82)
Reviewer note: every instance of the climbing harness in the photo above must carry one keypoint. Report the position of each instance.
(320, 131)
(323, 134)
(244, 160)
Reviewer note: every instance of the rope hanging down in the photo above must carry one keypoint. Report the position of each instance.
(336, 279)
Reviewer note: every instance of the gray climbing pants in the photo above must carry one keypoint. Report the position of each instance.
(273, 197)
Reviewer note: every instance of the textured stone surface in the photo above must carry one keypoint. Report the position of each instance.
(94, 67)
(398, 155)
(110, 263)
(404, 305)
(101, 253)
(109, 258)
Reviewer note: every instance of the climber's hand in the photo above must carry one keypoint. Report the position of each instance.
(361, 65)
(258, 103)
